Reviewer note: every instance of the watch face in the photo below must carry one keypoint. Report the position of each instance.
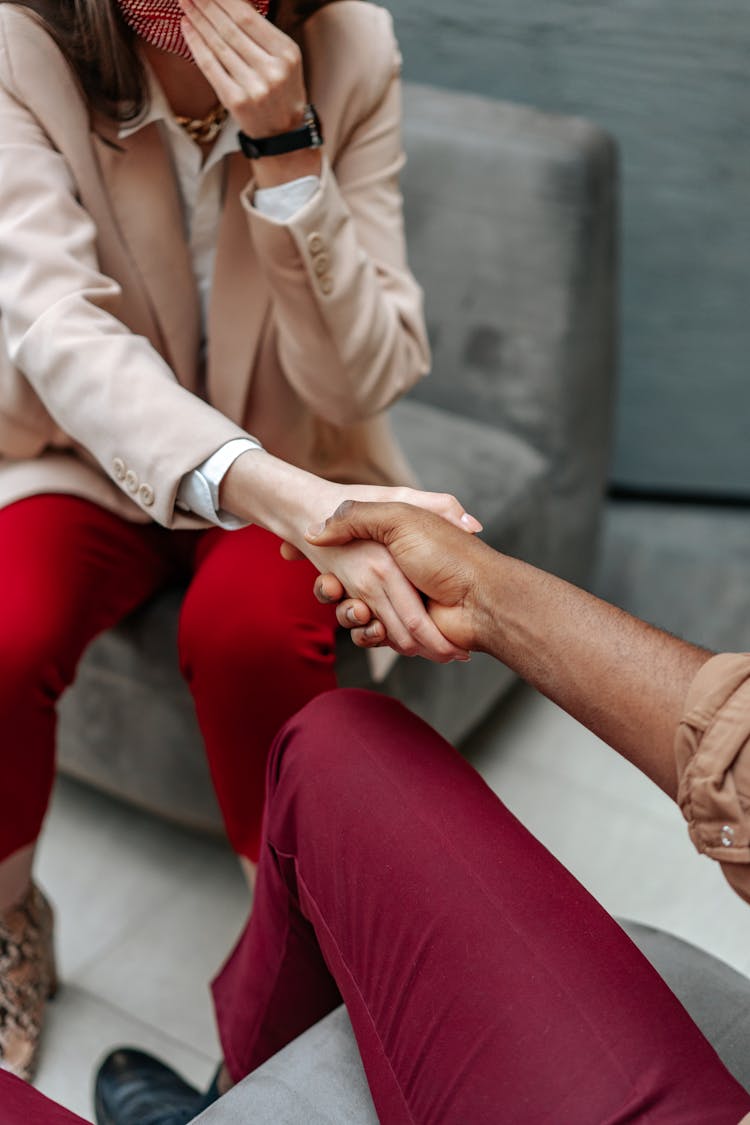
(313, 123)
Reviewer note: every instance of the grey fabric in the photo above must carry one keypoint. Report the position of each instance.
(513, 235)
(668, 78)
(319, 1077)
(316, 1080)
(682, 567)
(716, 996)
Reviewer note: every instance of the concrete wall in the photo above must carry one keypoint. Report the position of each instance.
(669, 78)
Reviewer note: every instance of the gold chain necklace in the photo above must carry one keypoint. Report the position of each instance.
(204, 130)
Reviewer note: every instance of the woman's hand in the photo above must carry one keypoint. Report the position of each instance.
(256, 71)
(378, 595)
(442, 504)
(260, 488)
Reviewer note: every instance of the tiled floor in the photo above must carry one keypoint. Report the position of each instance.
(147, 911)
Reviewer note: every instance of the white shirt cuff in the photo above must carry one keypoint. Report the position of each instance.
(199, 489)
(282, 202)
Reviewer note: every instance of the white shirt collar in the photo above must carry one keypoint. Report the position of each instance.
(159, 109)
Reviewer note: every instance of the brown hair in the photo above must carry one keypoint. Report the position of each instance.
(101, 48)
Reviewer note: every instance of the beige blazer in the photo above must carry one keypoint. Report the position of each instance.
(315, 325)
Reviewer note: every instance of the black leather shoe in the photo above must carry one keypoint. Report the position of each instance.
(133, 1088)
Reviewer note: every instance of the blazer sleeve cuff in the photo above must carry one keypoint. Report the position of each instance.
(712, 751)
(289, 242)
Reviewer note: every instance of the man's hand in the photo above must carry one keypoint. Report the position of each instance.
(623, 679)
(440, 560)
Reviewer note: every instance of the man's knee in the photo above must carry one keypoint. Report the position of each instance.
(336, 735)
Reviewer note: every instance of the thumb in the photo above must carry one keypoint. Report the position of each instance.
(353, 519)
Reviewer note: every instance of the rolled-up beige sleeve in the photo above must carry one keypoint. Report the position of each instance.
(712, 749)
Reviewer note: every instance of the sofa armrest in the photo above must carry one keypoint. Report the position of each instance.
(512, 226)
(317, 1079)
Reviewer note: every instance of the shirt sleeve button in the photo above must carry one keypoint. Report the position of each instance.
(118, 468)
(131, 481)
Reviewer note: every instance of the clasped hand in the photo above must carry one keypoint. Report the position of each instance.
(425, 547)
(254, 67)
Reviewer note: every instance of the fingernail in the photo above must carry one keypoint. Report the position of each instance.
(471, 522)
(372, 631)
(464, 659)
(351, 616)
(314, 530)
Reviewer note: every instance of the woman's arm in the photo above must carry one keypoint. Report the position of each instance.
(104, 385)
(351, 333)
(285, 500)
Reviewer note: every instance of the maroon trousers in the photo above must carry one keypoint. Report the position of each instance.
(484, 984)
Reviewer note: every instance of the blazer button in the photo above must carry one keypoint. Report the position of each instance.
(131, 481)
(118, 468)
(326, 285)
(314, 242)
(321, 264)
(146, 494)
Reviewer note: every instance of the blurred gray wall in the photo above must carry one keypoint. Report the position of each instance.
(669, 78)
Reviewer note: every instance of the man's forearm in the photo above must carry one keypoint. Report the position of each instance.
(620, 677)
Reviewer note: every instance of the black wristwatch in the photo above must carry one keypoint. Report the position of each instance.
(309, 135)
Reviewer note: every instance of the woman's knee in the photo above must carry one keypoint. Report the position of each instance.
(35, 666)
(252, 643)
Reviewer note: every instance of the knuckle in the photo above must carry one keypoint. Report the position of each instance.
(380, 571)
(345, 508)
(276, 72)
(291, 54)
(412, 622)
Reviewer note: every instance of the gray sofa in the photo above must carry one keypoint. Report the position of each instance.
(318, 1079)
(511, 221)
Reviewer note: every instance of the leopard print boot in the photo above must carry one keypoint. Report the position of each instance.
(27, 980)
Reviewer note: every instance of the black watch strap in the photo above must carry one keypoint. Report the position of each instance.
(309, 135)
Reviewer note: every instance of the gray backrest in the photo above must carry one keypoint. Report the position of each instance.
(511, 217)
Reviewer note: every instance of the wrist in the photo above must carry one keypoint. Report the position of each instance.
(494, 586)
(274, 170)
(264, 490)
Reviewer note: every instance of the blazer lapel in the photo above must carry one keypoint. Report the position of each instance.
(147, 208)
(239, 301)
